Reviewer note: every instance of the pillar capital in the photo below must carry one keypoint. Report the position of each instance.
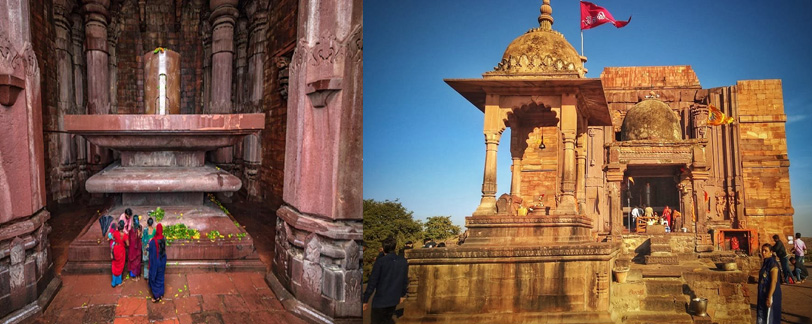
(223, 11)
(96, 10)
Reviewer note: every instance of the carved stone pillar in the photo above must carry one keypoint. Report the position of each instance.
(239, 89)
(699, 120)
(487, 205)
(580, 179)
(614, 176)
(687, 198)
(239, 86)
(223, 17)
(26, 270)
(320, 220)
(569, 120)
(252, 145)
(516, 177)
(113, 32)
(63, 173)
(77, 38)
(205, 31)
(98, 79)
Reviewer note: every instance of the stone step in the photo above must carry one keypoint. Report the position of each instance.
(660, 239)
(662, 259)
(664, 287)
(660, 248)
(657, 317)
(666, 304)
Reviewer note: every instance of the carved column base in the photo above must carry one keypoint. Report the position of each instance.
(487, 207)
(317, 263)
(26, 268)
(567, 206)
(251, 182)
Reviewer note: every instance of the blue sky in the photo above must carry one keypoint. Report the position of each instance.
(423, 142)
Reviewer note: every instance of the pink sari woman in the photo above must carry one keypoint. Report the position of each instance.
(134, 249)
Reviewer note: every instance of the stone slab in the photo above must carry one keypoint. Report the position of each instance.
(118, 179)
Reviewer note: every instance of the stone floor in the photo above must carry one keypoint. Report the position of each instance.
(234, 297)
(211, 297)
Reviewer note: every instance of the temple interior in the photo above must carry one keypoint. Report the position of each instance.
(239, 120)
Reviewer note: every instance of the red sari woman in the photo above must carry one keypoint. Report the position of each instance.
(119, 253)
(134, 249)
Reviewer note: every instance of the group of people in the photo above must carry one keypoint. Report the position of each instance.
(139, 250)
(667, 219)
(774, 272)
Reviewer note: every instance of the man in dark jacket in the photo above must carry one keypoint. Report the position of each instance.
(389, 280)
(781, 252)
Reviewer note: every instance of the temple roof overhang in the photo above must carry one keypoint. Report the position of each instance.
(588, 89)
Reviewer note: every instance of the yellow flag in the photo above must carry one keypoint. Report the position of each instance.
(716, 117)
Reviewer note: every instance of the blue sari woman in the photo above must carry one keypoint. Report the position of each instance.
(768, 308)
(157, 264)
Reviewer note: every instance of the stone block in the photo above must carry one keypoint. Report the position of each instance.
(333, 284)
(664, 304)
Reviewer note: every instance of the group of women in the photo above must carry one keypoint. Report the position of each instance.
(138, 249)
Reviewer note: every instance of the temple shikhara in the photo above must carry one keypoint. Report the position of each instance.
(560, 246)
(236, 124)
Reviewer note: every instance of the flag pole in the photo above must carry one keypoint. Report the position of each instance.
(582, 42)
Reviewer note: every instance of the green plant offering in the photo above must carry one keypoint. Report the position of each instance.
(213, 235)
(180, 232)
(157, 214)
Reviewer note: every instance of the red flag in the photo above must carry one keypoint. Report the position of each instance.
(594, 16)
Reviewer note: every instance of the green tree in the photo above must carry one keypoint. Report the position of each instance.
(440, 228)
(383, 219)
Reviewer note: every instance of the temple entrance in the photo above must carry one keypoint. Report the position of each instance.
(654, 186)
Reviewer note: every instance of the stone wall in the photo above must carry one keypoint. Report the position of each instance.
(26, 270)
(163, 24)
(540, 168)
(282, 22)
(544, 284)
(765, 162)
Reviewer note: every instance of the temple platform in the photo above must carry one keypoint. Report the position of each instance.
(90, 252)
(552, 283)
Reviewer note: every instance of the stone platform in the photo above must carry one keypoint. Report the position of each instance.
(90, 253)
(555, 283)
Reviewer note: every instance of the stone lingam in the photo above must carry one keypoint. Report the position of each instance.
(163, 164)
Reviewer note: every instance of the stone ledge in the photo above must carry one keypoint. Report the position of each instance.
(338, 230)
(118, 179)
(511, 221)
(661, 259)
(562, 252)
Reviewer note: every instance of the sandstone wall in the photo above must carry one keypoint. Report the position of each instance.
(765, 162)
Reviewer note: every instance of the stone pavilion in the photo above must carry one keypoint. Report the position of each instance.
(584, 152)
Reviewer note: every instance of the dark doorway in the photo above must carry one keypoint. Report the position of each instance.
(654, 186)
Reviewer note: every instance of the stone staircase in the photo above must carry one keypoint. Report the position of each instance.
(657, 289)
(653, 294)
(661, 252)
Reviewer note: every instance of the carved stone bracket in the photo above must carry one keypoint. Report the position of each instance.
(10, 87)
(319, 91)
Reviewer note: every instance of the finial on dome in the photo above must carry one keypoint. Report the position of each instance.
(546, 18)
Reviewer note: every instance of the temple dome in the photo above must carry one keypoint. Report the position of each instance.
(541, 51)
(544, 52)
(651, 120)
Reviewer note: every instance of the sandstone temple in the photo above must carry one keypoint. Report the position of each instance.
(585, 151)
(196, 106)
